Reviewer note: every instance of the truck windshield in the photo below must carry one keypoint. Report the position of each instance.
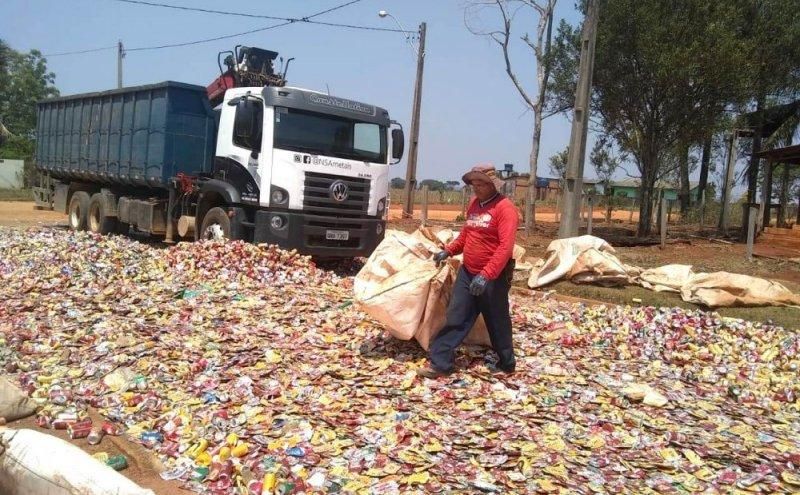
(317, 133)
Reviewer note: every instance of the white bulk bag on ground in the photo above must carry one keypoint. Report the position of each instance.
(14, 404)
(37, 463)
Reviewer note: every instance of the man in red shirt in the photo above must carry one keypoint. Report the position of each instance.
(483, 282)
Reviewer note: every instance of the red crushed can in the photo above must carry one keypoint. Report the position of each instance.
(79, 429)
(112, 429)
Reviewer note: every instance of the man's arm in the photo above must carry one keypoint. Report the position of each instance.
(507, 223)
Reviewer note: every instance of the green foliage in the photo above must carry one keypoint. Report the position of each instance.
(24, 80)
(558, 163)
(397, 183)
(666, 72)
(604, 163)
(434, 185)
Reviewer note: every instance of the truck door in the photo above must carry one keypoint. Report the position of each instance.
(239, 159)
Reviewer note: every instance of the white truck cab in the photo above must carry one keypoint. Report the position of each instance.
(311, 170)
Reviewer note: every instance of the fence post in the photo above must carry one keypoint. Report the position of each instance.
(663, 222)
(590, 200)
(630, 213)
(751, 231)
(424, 205)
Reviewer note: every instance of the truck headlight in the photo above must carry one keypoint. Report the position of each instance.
(381, 205)
(379, 228)
(278, 196)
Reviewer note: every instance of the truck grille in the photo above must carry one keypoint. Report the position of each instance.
(317, 195)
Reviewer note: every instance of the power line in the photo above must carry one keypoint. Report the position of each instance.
(197, 42)
(306, 19)
(90, 50)
(286, 22)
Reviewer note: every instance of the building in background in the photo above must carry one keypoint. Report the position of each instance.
(629, 188)
(12, 174)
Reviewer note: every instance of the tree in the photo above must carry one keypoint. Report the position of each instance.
(605, 165)
(397, 183)
(24, 80)
(558, 163)
(508, 11)
(661, 69)
(451, 185)
(433, 185)
(772, 31)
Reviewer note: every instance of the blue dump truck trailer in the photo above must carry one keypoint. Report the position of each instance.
(276, 164)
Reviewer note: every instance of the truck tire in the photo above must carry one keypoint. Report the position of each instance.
(216, 225)
(97, 220)
(78, 210)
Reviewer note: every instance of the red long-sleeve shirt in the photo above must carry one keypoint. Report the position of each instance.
(487, 239)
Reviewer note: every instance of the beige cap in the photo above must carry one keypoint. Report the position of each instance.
(484, 172)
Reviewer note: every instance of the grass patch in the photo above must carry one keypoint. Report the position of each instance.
(786, 317)
(16, 195)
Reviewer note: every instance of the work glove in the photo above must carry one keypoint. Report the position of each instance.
(439, 257)
(478, 285)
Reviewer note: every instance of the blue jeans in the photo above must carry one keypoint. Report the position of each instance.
(462, 312)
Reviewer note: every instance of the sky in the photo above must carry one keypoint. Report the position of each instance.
(471, 112)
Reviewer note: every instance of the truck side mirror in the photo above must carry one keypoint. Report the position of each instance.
(398, 144)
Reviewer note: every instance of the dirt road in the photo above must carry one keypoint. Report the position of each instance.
(23, 214)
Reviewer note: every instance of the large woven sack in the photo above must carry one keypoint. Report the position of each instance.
(36, 463)
(401, 287)
(14, 404)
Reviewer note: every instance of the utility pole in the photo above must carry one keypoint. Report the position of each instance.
(580, 123)
(411, 170)
(120, 56)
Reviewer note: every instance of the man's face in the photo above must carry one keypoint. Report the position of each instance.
(483, 190)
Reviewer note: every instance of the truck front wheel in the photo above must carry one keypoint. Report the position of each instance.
(216, 225)
(78, 210)
(98, 221)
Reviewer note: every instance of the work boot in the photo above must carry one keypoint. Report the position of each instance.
(497, 368)
(431, 372)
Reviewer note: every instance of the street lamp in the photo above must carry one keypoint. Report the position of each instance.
(383, 14)
(411, 170)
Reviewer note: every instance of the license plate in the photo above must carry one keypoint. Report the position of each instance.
(337, 235)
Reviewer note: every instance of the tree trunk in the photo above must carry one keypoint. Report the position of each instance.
(646, 194)
(530, 222)
(704, 163)
(784, 196)
(684, 173)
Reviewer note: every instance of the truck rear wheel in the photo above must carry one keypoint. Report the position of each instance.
(98, 221)
(78, 210)
(216, 225)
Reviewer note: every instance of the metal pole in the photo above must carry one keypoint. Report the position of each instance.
(726, 190)
(424, 205)
(663, 222)
(751, 231)
(120, 56)
(577, 143)
(591, 214)
(411, 170)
